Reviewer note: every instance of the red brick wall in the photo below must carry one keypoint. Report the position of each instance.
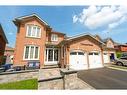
(2, 48)
(124, 48)
(22, 40)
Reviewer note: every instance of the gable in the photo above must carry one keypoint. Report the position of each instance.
(86, 43)
(110, 44)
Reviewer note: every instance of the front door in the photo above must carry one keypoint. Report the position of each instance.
(112, 57)
(51, 56)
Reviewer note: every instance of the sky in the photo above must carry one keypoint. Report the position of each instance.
(106, 21)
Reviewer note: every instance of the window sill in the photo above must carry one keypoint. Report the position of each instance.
(33, 37)
(31, 59)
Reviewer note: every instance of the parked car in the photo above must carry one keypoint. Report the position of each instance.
(33, 65)
(121, 61)
(124, 54)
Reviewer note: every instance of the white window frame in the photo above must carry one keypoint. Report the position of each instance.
(54, 37)
(33, 53)
(27, 28)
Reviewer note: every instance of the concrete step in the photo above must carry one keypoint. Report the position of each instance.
(50, 66)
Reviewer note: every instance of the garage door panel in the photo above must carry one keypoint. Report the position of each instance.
(106, 58)
(95, 60)
(78, 60)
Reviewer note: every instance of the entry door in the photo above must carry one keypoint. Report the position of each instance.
(112, 57)
(95, 60)
(78, 60)
(51, 56)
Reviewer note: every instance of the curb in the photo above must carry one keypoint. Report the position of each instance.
(117, 69)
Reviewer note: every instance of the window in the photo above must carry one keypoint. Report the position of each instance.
(90, 53)
(31, 52)
(80, 53)
(33, 31)
(105, 53)
(96, 53)
(73, 53)
(54, 37)
(124, 58)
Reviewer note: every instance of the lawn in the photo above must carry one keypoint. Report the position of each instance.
(25, 84)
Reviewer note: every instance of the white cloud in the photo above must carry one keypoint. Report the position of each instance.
(75, 18)
(94, 16)
(10, 33)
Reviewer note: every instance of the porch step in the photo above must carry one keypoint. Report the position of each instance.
(50, 66)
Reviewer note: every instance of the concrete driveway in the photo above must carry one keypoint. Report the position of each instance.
(104, 78)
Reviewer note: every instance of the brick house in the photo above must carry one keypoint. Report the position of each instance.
(36, 40)
(121, 47)
(3, 42)
(109, 50)
(9, 54)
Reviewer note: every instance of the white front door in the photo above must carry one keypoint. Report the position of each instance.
(51, 56)
(106, 58)
(95, 60)
(78, 60)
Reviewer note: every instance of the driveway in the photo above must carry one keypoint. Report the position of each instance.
(104, 78)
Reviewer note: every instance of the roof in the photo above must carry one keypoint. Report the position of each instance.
(105, 40)
(98, 37)
(81, 35)
(58, 32)
(3, 34)
(9, 48)
(28, 16)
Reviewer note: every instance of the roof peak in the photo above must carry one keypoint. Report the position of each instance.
(31, 15)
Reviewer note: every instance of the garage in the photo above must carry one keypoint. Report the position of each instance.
(106, 58)
(95, 60)
(78, 60)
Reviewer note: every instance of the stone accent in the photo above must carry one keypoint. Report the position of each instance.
(56, 84)
(57, 79)
(49, 73)
(18, 76)
(72, 82)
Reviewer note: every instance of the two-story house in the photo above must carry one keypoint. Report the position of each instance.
(36, 40)
(121, 47)
(109, 50)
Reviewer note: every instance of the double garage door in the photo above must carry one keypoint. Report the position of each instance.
(79, 61)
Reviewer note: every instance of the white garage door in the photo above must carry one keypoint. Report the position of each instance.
(78, 60)
(95, 60)
(106, 58)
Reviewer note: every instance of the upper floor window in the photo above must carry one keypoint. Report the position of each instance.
(54, 37)
(33, 31)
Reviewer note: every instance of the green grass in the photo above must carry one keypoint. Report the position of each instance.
(25, 84)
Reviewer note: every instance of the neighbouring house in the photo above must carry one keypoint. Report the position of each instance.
(37, 41)
(109, 51)
(9, 54)
(3, 42)
(121, 47)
